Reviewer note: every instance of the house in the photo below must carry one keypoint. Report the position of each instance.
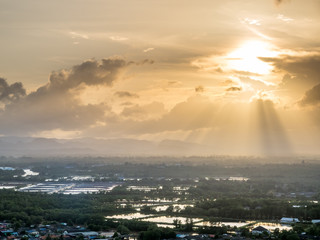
(259, 230)
(289, 220)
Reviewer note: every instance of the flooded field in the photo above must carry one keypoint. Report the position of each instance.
(129, 216)
(231, 224)
(163, 220)
(7, 187)
(143, 188)
(176, 207)
(69, 188)
(170, 220)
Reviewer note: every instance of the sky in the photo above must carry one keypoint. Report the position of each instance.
(242, 77)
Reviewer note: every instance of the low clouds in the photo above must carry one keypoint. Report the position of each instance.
(10, 93)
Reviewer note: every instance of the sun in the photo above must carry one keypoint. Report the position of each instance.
(246, 57)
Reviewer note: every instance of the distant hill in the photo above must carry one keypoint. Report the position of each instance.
(28, 146)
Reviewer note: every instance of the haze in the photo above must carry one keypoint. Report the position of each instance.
(216, 77)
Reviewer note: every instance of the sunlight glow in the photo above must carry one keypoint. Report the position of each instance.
(246, 57)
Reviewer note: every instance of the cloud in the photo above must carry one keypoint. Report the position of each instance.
(311, 97)
(199, 89)
(118, 38)
(53, 110)
(234, 89)
(148, 50)
(251, 21)
(227, 82)
(91, 72)
(300, 72)
(298, 65)
(127, 103)
(152, 110)
(56, 105)
(78, 35)
(256, 82)
(284, 18)
(10, 93)
(126, 94)
(196, 112)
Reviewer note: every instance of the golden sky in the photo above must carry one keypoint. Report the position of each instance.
(242, 77)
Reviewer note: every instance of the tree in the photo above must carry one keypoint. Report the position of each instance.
(123, 230)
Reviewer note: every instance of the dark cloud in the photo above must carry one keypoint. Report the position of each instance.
(300, 72)
(234, 89)
(126, 94)
(10, 93)
(301, 65)
(90, 72)
(311, 97)
(199, 89)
